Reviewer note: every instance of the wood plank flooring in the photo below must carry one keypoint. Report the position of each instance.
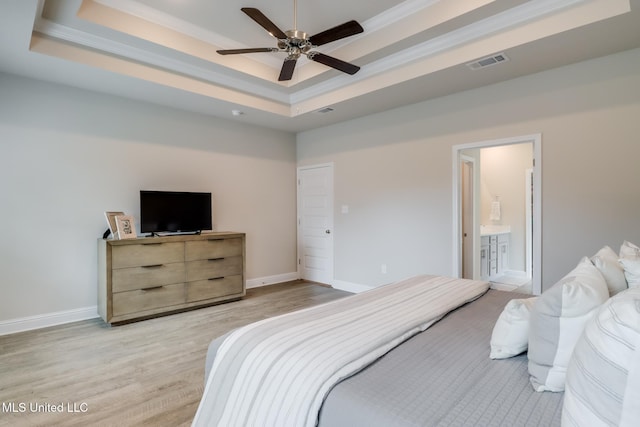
(149, 373)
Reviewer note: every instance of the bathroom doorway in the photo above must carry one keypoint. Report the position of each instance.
(497, 206)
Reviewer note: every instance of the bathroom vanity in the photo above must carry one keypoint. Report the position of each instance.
(494, 250)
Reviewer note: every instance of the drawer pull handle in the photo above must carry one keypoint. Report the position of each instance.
(154, 243)
(152, 266)
(215, 259)
(216, 278)
(155, 288)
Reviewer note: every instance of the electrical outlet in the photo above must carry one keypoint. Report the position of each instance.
(383, 269)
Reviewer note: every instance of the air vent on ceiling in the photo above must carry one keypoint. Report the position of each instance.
(324, 110)
(488, 61)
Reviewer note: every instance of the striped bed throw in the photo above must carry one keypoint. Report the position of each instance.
(277, 372)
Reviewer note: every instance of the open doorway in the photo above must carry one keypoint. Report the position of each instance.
(497, 232)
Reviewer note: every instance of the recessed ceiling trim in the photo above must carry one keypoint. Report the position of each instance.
(388, 22)
(395, 25)
(142, 11)
(112, 47)
(398, 13)
(133, 26)
(503, 21)
(388, 18)
(59, 49)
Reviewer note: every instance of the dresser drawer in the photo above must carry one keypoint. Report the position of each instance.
(149, 299)
(146, 254)
(214, 288)
(214, 248)
(214, 268)
(127, 279)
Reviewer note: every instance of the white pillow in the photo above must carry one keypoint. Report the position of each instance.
(629, 250)
(603, 378)
(631, 271)
(557, 320)
(606, 261)
(510, 335)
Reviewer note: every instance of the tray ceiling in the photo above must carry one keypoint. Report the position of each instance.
(164, 51)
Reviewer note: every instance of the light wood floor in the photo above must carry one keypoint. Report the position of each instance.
(149, 373)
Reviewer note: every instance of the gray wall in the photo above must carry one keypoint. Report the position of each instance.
(68, 155)
(394, 169)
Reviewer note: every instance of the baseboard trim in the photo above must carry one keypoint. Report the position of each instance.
(351, 287)
(271, 280)
(23, 324)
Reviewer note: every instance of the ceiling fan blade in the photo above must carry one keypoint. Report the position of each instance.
(336, 33)
(287, 69)
(264, 22)
(332, 62)
(250, 50)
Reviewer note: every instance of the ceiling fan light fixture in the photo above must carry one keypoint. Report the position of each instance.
(295, 43)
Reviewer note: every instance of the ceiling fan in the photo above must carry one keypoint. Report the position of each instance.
(296, 43)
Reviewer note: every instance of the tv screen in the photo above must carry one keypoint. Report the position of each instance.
(174, 211)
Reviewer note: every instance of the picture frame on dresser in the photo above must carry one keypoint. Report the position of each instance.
(125, 225)
(111, 222)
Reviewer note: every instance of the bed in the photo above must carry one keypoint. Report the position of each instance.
(435, 371)
(422, 352)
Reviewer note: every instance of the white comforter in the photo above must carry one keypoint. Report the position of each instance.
(277, 372)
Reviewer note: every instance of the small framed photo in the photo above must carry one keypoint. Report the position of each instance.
(126, 227)
(111, 221)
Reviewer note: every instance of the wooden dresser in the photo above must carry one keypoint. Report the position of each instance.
(153, 276)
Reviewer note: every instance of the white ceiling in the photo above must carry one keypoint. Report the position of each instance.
(163, 51)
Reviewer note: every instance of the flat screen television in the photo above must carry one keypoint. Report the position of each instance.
(174, 211)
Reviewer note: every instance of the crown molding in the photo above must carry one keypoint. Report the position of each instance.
(111, 47)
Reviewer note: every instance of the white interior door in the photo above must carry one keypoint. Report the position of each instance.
(315, 223)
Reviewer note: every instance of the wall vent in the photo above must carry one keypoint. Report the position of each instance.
(324, 110)
(488, 61)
